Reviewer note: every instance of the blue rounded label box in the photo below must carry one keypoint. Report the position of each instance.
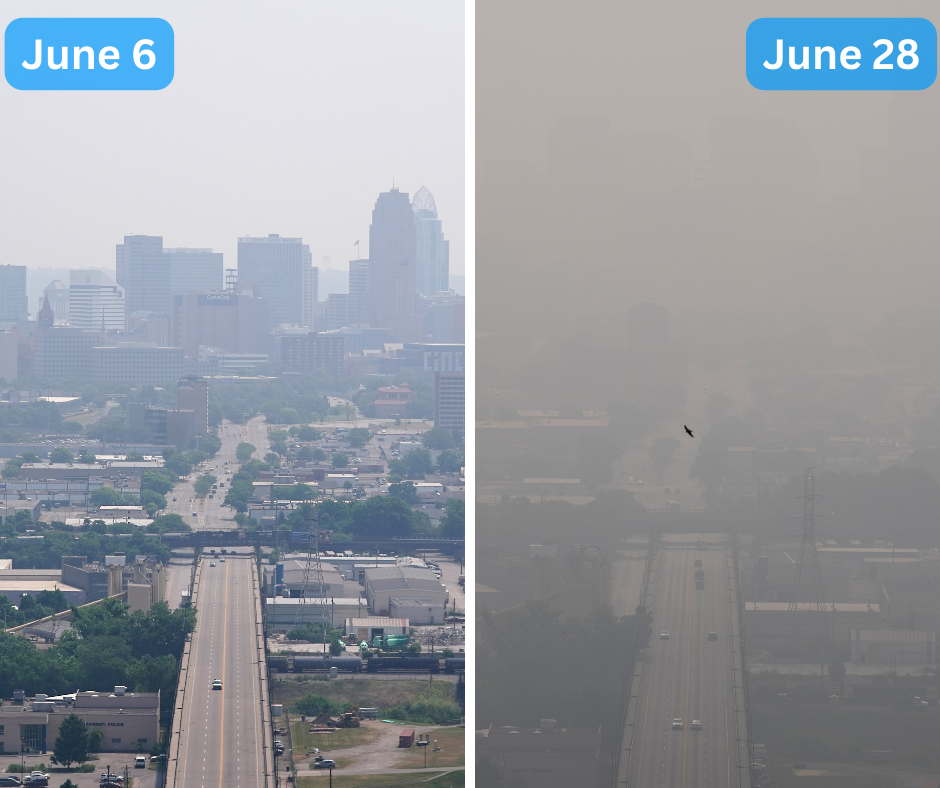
(88, 54)
(841, 54)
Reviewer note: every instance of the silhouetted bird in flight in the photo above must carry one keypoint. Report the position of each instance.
(688, 431)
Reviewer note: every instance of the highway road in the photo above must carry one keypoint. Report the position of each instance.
(687, 677)
(210, 513)
(221, 737)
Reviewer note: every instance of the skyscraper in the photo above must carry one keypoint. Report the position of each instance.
(96, 301)
(280, 270)
(144, 273)
(432, 251)
(13, 301)
(392, 301)
(194, 270)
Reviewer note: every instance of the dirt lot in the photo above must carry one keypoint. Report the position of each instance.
(451, 742)
(340, 739)
(377, 750)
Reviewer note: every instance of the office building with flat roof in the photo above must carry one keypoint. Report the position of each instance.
(143, 270)
(194, 270)
(280, 270)
(14, 304)
(449, 401)
(95, 301)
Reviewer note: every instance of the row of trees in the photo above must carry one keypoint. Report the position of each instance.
(105, 647)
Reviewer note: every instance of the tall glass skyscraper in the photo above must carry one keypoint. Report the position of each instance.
(392, 301)
(432, 252)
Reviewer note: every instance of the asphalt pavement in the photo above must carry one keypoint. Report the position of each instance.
(210, 513)
(687, 677)
(221, 730)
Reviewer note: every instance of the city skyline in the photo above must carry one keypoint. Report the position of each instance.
(313, 174)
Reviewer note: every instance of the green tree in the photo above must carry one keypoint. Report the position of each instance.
(404, 490)
(438, 439)
(107, 496)
(179, 464)
(53, 599)
(295, 492)
(244, 451)
(87, 458)
(204, 484)
(306, 433)
(95, 737)
(358, 437)
(453, 523)
(211, 444)
(318, 454)
(340, 460)
(134, 456)
(336, 648)
(61, 454)
(239, 494)
(152, 501)
(278, 435)
(381, 516)
(159, 481)
(450, 461)
(837, 670)
(305, 453)
(416, 464)
(71, 745)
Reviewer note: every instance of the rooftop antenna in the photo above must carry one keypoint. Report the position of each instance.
(808, 578)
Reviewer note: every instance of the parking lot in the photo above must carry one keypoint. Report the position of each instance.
(142, 778)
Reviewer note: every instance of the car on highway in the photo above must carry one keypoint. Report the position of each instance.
(677, 724)
(664, 635)
(212, 563)
(713, 636)
(325, 764)
(696, 725)
(195, 514)
(222, 560)
(217, 684)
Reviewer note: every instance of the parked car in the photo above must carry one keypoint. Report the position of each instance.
(7, 780)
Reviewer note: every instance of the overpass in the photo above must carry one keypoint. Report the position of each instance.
(686, 676)
(223, 737)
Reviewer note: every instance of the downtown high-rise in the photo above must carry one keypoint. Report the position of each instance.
(432, 250)
(392, 300)
(280, 270)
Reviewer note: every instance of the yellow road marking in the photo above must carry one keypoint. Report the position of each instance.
(224, 639)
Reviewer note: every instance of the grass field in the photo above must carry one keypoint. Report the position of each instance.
(453, 779)
(364, 692)
(451, 742)
(342, 738)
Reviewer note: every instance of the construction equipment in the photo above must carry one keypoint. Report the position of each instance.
(349, 719)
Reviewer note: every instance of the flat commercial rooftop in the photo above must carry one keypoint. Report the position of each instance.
(831, 607)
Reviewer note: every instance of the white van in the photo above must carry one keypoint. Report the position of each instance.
(140, 762)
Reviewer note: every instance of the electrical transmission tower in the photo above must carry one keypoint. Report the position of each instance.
(808, 579)
(313, 562)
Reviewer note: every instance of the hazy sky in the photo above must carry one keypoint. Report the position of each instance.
(622, 156)
(284, 118)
